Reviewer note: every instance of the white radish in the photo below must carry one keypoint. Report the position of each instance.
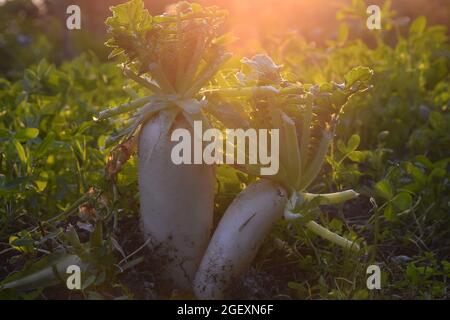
(177, 203)
(243, 228)
(239, 235)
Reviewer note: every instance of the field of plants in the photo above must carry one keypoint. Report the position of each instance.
(86, 178)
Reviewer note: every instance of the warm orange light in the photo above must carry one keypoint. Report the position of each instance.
(254, 21)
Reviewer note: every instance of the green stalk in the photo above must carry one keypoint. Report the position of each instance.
(316, 164)
(331, 236)
(255, 169)
(129, 90)
(240, 91)
(193, 66)
(293, 152)
(43, 273)
(142, 81)
(331, 198)
(277, 121)
(180, 57)
(157, 73)
(142, 116)
(123, 108)
(295, 89)
(306, 135)
(206, 74)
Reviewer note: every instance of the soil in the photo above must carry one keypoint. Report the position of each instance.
(266, 281)
(143, 281)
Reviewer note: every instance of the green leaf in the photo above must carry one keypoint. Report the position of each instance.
(438, 173)
(20, 151)
(402, 201)
(14, 241)
(353, 143)
(84, 126)
(384, 189)
(4, 133)
(97, 236)
(389, 213)
(41, 181)
(72, 237)
(342, 147)
(88, 282)
(48, 141)
(43, 69)
(12, 186)
(362, 74)
(115, 52)
(131, 16)
(26, 134)
(417, 174)
(358, 156)
(424, 161)
(24, 243)
(438, 122)
(128, 175)
(418, 26)
(446, 267)
(336, 225)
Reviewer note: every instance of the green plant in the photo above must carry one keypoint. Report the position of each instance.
(401, 160)
(251, 216)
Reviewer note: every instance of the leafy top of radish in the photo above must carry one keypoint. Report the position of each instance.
(306, 114)
(172, 47)
(171, 57)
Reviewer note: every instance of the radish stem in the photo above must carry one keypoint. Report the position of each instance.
(126, 107)
(316, 163)
(294, 161)
(240, 91)
(142, 81)
(306, 134)
(331, 236)
(332, 198)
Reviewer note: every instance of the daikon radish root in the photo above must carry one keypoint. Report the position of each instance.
(177, 203)
(244, 226)
(239, 235)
